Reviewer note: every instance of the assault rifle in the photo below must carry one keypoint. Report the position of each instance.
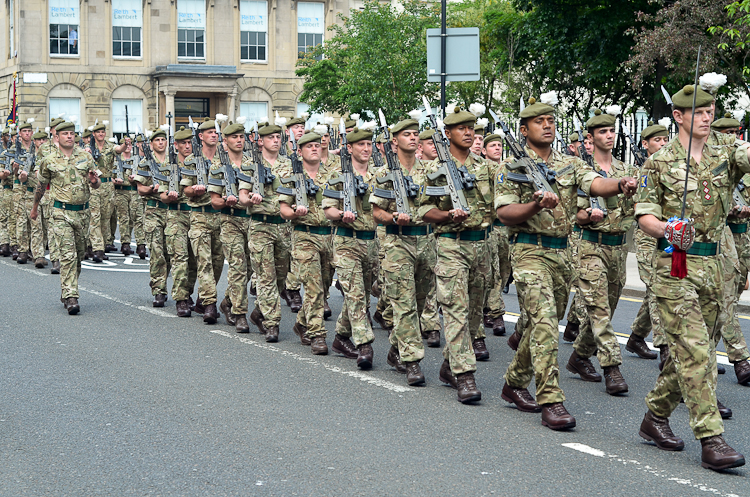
(302, 186)
(120, 164)
(199, 161)
(404, 187)
(563, 145)
(353, 185)
(377, 157)
(638, 156)
(284, 140)
(95, 153)
(458, 179)
(153, 169)
(260, 175)
(30, 160)
(229, 179)
(173, 166)
(737, 197)
(596, 202)
(534, 172)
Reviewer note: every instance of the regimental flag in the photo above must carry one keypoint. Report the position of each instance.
(12, 115)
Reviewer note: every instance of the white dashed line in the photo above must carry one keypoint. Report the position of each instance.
(150, 310)
(309, 360)
(15, 265)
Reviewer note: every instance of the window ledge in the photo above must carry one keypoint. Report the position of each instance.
(125, 57)
(254, 62)
(63, 56)
(192, 60)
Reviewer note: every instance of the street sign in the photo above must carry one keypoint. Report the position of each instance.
(461, 54)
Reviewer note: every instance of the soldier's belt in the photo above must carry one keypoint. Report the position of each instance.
(602, 238)
(229, 211)
(394, 229)
(698, 248)
(543, 240)
(206, 209)
(70, 207)
(8, 187)
(30, 189)
(316, 230)
(576, 228)
(124, 187)
(350, 233)
(737, 228)
(16, 181)
(497, 222)
(105, 180)
(157, 203)
(267, 218)
(467, 236)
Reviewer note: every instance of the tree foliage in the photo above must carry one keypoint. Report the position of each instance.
(736, 36)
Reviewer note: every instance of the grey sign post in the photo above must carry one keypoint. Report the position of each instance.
(452, 55)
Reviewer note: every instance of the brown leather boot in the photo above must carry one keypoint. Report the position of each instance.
(5, 250)
(613, 380)
(394, 360)
(446, 374)
(14, 252)
(656, 429)
(296, 299)
(556, 417)
(55, 267)
(125, 249)
(583, 367)
(432, 337)
(327, 313)
(514, 340)
(226, 308)
(716, 454)
(742, 370)
(183, 308)
(344, 346)
(486, 318)
(109, 248)
(39, 262)
(71, 305)
(364, 356)
(159, 300)
(199, 308)
(498, 326)
(240, 323)
(272, 334)
(99, 256)
(257, 319)
(721, 369)
(378, 318)
(571, 331)
(22, 258)
(521, 398)
(724, 411)
(638, 346)
(480, 350)
(211, 314)
(301, 332)
(414, 375)
(318, 346)
(140, 250)
(285, 296)
(467, 388)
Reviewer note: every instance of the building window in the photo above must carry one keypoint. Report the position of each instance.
(254, 112)
(135, 113)
(253, 31)
(64, 38)
(127, 21)
(310, 26)
(69, 107)
(191, 29)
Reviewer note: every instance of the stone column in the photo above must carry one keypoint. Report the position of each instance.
(169, 94)
(231, 110)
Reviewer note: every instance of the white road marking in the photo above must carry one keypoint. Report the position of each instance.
(647, 469)
(150, 310)
(309, 360)
(14, 264)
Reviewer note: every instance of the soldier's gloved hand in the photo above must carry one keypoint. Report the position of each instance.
(680, 233)
(546, 200)
(596, 215)
(628, 186)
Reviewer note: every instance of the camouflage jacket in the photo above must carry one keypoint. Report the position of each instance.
(572, 174)
(620, 209)
(147, 180)
(200, 200)
(270, 203)
(106, 163)
(418, 175)
(67, 176)
(315, 215)
(365, 220)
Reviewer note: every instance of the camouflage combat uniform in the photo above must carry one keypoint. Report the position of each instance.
(69, 187)
(644, 322)
(463, 263)
(542, 271)
(728, 326)
(129, 210)
(102, 200)
(6, 204)
(29, 232)
(500, 254)
(689, 308)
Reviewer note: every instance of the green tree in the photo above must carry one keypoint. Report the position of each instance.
(735, 36)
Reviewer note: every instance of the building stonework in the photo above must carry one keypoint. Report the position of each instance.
(158, 79)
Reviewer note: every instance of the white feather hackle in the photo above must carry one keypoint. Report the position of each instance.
(112, 140)
(354, 117)
(712, 81)
(241, 120)
(279, 121)
(477, 109)
(369, 125)
(30, 120)
(305, 115)
(221, 118)
(415, 114)
(321, 129)
(738, 114)
(328, 120)
(62, 114)
(613, 110)
(105, 122)
(666, 122)
(74, 119)
(164, 127)
(483, 122)
(549, 98)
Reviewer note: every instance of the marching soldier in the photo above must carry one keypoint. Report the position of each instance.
(311, 244)
(70, 172)
(427, 146)
(20, 219)
(29, 231)
(102, 198)
(127, 200)
(540, 222)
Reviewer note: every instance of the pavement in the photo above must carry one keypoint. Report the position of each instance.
(126, 399)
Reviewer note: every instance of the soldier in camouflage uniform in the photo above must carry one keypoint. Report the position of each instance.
(463, 264)
(46, 203)
(354, 251)
(155, 216)
(127, 200)
(539, 225)
(6, 202)
(28, 231)
(601, 264)
(102, 199)
(689, 307)
(70, 172)
(235, 226)
(183, 265)
(311, 244)
(409, 264)
(21, 240)
(384, 310)
(205, 226)
(269, 236)
(12, 198)
(295, 126)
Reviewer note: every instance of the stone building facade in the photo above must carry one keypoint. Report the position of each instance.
(92, 58)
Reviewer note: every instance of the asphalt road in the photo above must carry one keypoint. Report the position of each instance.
(125, 399)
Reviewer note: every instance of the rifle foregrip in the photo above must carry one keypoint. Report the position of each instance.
(436, 191)
(387, 194)
(284, 191)
(518, 178)
(333, 194)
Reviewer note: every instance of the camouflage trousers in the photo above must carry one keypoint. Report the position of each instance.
(18, 193)
(70, 229)
(601, 271)
(728, 327)
(102, 200)
(354, 260)
(688, 311)
(129, 210)
(45, 214)
(269, 253)
(6, 205)
(645, 246)
(314, 254)
(542, 277)
(577, 307)
(205, 238)
(292, 277)
(234, 241)
(409, 270)
(180, 254)
(384, 306)
(462, 275)
(156, 224)
(500, 256)
(28, 231)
